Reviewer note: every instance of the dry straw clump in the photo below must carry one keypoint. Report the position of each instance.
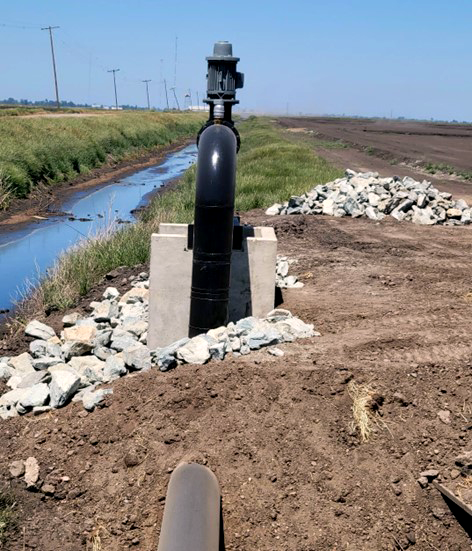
(365, 402)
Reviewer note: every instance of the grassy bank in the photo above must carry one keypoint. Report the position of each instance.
(270, 169)
(47, 150)
(7, 519)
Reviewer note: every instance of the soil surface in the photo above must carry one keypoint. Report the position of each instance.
(45, 201)
(400, 148)
(391, 301)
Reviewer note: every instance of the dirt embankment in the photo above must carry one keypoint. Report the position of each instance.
(390, 300)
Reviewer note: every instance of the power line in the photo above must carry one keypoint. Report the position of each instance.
(10, 26)
(50, 29)
(114, 83)
(147, 92)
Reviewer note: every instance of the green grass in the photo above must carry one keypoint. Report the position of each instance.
(271, 168)
(433, 168)
(46, 150)
(7, 519)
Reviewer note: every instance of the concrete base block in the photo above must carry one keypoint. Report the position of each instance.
(252, 289)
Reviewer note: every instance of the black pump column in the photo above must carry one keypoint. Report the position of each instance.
(218, 142)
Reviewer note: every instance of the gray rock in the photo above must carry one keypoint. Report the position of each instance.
(37, 395)
(64, 385)
(137, 356)
(276, 352)
(31, 379)
(17, 468)
(103, 338)
(103, 353)
(218, 350)
(39, 330)
(5, 372)
(114, 368)
(257, 339)
(196, 351)
(166, 362)
(92, 399)
(70, 349)
(89, 368)
(45, 363)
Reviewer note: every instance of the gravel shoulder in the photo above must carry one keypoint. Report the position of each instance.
(390, 300)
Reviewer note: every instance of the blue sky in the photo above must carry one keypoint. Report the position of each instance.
(411, 58)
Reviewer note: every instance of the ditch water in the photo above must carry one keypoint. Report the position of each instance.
(25, 255)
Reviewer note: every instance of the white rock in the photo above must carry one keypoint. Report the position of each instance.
(135, 295)
(31, 472)
(273, 210)
(22, 363)
(196, 351)
(37, 395)
(64, 385)
(39, 330)
(12, 397)
(92, 399)
(111, 293)
(70, 319)
(31, 379)
(80, 333)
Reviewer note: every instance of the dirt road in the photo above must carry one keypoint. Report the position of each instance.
(402, 148)
(390, 300)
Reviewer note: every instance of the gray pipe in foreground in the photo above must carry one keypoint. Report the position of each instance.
(192, 512)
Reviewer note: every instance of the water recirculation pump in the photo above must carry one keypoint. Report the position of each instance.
(218, 142)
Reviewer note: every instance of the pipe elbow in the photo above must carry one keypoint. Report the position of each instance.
(216, 167)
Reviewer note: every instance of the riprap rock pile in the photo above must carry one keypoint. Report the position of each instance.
(365, 194)
(112, 342)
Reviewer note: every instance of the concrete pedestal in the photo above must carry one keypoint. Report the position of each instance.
(252, 289)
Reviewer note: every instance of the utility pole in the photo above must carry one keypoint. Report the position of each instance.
(190, 94)
(147, 92)
(175, 96)
(50, 29)
(167, 97)
(114, 83)
(198, 101)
